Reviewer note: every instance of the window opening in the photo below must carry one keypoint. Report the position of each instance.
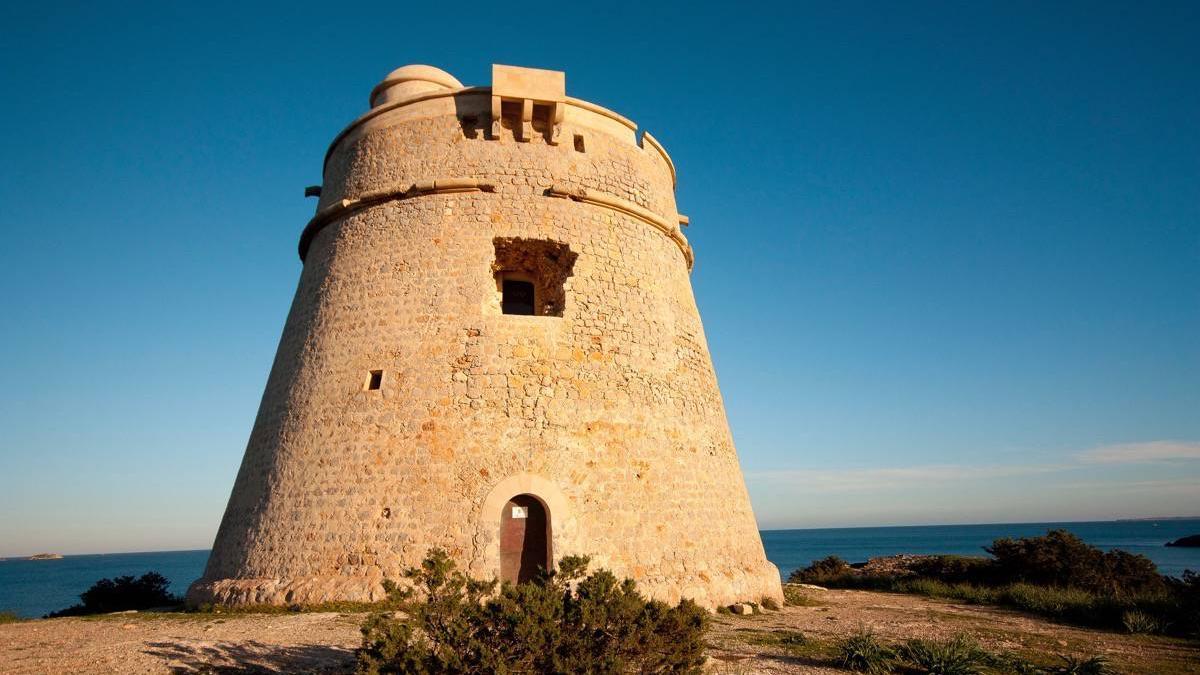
(375, 380)
(518, 297)
(531, 275)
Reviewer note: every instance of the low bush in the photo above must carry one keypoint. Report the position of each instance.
(1060, 558)
(9, 617)
(957, 656)
(1063, 603)
(1139, 623)
(862, 652)
(962, 592)
(1185, 613)
(822, 572)
(956, 569)
(1057, 575)
(1090, 665)
(561, 622)
(770, 603)
(122, 593)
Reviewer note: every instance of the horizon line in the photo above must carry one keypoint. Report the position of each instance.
(26, 556)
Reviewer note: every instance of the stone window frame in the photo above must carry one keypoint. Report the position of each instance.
(547, 264)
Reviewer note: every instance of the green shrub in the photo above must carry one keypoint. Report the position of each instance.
(1060, 558)
(1065, 603)
(9, 617)
(864, 653)
(770, 603)
(1008, 662)
(962, 592)
(1139, 623)
(562, 622)
(1057, 575)
(1185, 608)
(1092, 665)
(121, 594)
(957, 656)
(821, 572)
(955, 569)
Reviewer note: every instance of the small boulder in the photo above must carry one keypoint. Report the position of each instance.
(742, 608)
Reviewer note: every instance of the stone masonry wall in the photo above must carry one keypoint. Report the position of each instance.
(612, 410)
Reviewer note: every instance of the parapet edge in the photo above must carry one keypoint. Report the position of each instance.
(654, 144)
(619, 124)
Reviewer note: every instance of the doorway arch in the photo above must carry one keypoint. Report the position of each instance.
(561, 526)
(525, 539)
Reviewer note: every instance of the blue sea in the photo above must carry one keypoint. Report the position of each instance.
(31, 588)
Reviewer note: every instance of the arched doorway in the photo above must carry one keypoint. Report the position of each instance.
(524, 539)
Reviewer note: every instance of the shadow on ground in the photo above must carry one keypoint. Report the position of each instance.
(251, 658)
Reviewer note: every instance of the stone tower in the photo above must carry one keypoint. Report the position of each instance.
(493, 349)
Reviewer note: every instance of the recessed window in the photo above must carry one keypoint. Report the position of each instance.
(531, 275)
(518, 296)
(578, 143)
(374, 380)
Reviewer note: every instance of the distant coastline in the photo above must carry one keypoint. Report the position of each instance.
(1143, 520)
(46, 556)
(1013, 523)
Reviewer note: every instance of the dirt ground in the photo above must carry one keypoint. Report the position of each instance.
(762, 643)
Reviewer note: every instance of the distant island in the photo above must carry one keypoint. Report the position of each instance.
(1186, 542)
(46, 556)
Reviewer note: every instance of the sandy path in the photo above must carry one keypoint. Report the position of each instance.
(324, 643)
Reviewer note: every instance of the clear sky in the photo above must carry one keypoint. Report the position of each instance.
(948, 255)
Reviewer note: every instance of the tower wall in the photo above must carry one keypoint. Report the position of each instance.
(610, 414)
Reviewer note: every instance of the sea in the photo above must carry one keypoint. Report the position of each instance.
(32, 588)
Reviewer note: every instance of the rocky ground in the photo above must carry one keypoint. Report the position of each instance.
(763, 643)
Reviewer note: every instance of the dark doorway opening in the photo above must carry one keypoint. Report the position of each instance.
(524, 539)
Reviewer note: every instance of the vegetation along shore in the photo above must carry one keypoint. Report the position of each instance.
(1048, 604)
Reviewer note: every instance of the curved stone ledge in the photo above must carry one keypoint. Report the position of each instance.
(420, 188)
(628, 208)
(345, 207)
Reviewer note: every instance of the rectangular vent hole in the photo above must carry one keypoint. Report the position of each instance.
(579, 143)
(375, 380)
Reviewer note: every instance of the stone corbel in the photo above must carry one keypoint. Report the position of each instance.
(525, 130)
(557, 112)
(497, 106)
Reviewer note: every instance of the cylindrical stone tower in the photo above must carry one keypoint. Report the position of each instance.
(493, 349)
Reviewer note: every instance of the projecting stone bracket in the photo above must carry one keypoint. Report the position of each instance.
(535, 98)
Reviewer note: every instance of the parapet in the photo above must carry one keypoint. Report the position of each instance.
(528, 95)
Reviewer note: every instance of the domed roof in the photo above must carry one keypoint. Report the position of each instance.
(424, 73)
(407, 80)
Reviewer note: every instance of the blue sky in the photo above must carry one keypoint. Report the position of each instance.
(948, 253)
